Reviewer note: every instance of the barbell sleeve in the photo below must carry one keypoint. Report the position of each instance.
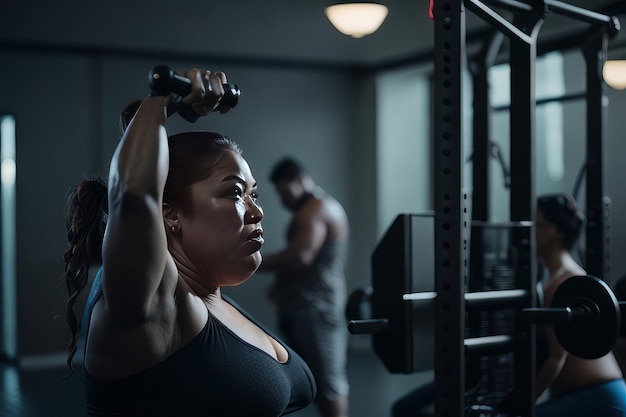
(541, 315)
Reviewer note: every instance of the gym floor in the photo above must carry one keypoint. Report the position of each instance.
(41, 392)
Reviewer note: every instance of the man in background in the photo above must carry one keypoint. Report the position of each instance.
(309, 289)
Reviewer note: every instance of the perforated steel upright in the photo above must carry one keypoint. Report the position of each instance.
(451, 202)
(450, 208)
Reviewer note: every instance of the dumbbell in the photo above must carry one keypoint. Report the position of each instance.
(163, 80)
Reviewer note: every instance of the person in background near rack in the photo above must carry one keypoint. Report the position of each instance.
(310, 287)
(577, 387)
(177, 221)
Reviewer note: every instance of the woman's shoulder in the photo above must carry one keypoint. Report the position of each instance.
(559, 278)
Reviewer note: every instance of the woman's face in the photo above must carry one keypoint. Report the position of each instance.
(220, 226)
(547, 235)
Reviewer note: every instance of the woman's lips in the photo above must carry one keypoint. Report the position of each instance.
(257, 236)
(254, 241)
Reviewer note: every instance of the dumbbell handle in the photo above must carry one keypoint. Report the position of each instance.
(163, 80)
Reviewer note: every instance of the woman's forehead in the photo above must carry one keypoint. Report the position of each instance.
(233, 164)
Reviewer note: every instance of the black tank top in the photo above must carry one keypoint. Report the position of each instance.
(217, 374)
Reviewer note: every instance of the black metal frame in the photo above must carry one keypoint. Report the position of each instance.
(451, 202)
(596, 247)
(450, 208)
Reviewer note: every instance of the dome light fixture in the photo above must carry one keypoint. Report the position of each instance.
(356, 19)
(614, 73)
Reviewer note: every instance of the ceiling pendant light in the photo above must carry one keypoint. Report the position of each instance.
(614, 73)
(356, 19)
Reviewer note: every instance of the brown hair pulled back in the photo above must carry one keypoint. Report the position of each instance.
(86, 221)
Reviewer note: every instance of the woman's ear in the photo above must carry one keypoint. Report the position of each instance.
(170, 217)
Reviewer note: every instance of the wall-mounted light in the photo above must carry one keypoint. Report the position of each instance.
(356, 19)
(614, 73)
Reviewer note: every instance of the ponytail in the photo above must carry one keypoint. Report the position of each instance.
(86, 218)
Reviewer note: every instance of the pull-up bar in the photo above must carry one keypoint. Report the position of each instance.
(550, 6)
(584, 15)
(555, 6)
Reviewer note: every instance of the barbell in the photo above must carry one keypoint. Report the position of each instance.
(584, 312)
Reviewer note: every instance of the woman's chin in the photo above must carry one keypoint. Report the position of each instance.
(251, 263)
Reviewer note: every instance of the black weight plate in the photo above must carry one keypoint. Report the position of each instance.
(589, 335)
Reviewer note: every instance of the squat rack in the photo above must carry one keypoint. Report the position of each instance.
(452, 222)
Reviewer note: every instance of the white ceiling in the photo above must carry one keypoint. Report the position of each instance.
(281, 31)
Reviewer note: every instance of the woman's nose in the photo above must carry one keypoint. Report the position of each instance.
(254, 213)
